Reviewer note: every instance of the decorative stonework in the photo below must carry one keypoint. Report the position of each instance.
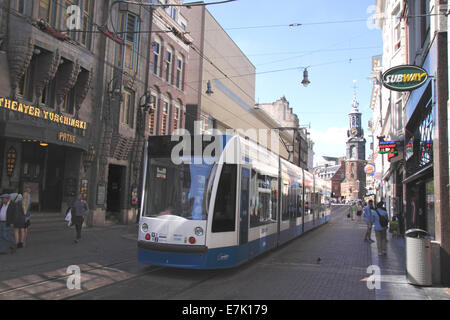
(66, 78)
(121, 147)
(129, 81)
(82, 85)
(47, 66)
(20, 52)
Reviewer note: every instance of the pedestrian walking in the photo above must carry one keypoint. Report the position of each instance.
(26, 205)
(19, 221)
(359, 208)
(368, 218)
(381, 222)
(79, 209)
(7, 216)
(352, 210)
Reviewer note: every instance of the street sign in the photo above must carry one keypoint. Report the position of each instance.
(405, 78)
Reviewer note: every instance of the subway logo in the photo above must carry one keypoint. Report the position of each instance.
(405, 78)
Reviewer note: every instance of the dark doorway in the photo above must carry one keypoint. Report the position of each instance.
(115, 183)
(52, 185)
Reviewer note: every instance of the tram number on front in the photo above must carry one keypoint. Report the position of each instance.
(154, 237)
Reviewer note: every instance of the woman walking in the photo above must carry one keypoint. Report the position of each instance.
(80, 210)
(26, 204)
(381, 221)
(19, 221)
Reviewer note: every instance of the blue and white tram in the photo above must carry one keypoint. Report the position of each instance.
(222, 204)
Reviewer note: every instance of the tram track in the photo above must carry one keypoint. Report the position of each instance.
(108, 270)
(62, 277)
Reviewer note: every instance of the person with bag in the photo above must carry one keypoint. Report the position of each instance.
(381, 222)
(359, 208)
(79, 210)
(368, 218)
(68, 217)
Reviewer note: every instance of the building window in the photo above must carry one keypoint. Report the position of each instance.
(47, 11)
(176, 117)
(173, 13)
(153, 114)
(24, 87)
(69, 102)
(21, 6)
(426, 137)
(397, 29)
(205, 122)
(87, 9)
(128, 52)
(156, 56)
(424, 21)
(179, 78)
(168, 63)
(47, 94)
(165, 117)
(127, 108)
(86, 23)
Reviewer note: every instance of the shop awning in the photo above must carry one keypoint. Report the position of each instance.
(418, 174)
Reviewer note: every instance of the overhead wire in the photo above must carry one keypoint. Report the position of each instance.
(113, 66)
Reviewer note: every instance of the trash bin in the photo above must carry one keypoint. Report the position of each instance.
(418, 257)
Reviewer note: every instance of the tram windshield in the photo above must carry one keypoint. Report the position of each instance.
(178, 190)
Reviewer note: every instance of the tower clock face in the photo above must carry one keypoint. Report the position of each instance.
(354, 132)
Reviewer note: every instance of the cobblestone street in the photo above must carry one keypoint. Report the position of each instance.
(109, 269)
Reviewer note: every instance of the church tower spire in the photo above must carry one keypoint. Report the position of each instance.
(353, 186)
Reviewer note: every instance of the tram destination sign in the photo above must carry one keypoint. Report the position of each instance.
(405, 78)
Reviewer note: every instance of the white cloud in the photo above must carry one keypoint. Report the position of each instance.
(330, 142)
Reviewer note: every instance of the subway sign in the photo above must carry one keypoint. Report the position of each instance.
(405, 78)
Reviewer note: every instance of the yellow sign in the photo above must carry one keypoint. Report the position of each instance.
(65, 137)
(38, 113)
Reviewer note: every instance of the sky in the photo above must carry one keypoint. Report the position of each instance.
(336, 41)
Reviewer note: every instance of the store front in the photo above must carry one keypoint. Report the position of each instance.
(42, 150)
(419, 175)
(47, 169)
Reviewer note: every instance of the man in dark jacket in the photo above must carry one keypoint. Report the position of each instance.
(7, 217)
(80, 209)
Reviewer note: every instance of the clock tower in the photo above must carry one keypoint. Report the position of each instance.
(354, 185)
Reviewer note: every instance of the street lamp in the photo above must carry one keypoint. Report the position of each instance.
(145, 102)
(209, 88)
(305, 81)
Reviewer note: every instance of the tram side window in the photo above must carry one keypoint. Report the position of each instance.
(225, 206)
(263, 200)
(307, 201)
(285, 203)
(299, 204)
(274, 192)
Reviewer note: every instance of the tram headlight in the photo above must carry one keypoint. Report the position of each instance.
(198, 231)
(144, 227)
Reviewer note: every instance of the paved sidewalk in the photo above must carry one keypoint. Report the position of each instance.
(394, 285)
(47, 251)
